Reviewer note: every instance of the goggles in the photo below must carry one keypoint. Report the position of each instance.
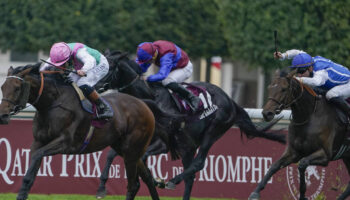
(302, 70)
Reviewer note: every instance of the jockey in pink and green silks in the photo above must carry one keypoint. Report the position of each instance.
(90, 65)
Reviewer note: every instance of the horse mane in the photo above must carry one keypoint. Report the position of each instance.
(35, 68)
(55, 78)
(283, 73)
(115, 57)
(135, 67)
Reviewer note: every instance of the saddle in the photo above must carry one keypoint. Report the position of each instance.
(206, 106)
(89, 107)
(341, 115)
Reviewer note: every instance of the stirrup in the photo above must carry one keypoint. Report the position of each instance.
(103, 116)
(193, 107)
(106, 114)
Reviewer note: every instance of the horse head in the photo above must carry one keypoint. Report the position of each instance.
(286, 91)
(124, 74)
(15, 91)
(279, 95)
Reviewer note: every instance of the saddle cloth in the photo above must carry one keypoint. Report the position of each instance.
(206, 106)
(90, 107)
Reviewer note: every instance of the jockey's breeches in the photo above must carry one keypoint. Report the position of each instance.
(339, 91)
(179, 75)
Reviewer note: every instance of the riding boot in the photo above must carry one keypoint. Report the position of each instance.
(103, 110)
(192, 100)
(341, 103)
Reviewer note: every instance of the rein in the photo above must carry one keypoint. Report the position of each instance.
(129, 84)
(286, 105)
(283, 105)
(18, 108)
(313, 93)
(41, 88)
(42, 83)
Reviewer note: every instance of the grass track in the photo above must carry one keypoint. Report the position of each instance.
(11, 196)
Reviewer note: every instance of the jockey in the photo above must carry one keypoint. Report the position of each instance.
(174, 67)
(90, 65)
(321, 72)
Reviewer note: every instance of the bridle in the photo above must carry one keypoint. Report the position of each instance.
(136, 78)
(17, 107)
(286, 105)
(129, 84)
(282, 105)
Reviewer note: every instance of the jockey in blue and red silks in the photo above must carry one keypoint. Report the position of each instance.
(174, 67)
(321, 72)
(90, 65)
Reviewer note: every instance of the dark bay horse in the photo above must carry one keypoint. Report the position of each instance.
(315, 133)
(60, 124)
(190, 135)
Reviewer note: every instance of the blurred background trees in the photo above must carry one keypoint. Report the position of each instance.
(235, 30)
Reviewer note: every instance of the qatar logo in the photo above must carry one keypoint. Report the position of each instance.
(314, 179)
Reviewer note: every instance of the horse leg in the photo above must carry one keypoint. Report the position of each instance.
(52, 148)
(302, 187)
(131, 173)
(186, 161)
(156, 148)
(147, 178)
(197, 163)
(286, 159)
(346, 193)
(317, 158)
(101, 191)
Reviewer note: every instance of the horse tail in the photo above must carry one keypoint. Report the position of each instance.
(245, 124)
(165, 126)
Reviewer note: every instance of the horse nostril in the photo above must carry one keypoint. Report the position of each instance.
(268, 115)
(4, 119)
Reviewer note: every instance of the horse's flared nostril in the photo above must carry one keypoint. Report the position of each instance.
(4, 118)
(268, 115)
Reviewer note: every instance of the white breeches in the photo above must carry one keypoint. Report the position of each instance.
(339, 91)
(179, 75)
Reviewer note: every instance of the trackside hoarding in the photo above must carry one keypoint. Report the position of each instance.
(232, 170)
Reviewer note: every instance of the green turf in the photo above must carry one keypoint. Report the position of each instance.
(88, 197)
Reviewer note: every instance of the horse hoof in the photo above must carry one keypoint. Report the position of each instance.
(170, 185)
(254, 196)
(101, 194)
(160, 183)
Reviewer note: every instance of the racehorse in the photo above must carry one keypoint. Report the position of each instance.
(60, 124)
(194, 132)
(316, 133)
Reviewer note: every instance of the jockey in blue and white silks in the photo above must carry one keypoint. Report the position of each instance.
(321, 72)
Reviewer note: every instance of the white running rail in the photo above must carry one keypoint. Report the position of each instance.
(254, 113)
